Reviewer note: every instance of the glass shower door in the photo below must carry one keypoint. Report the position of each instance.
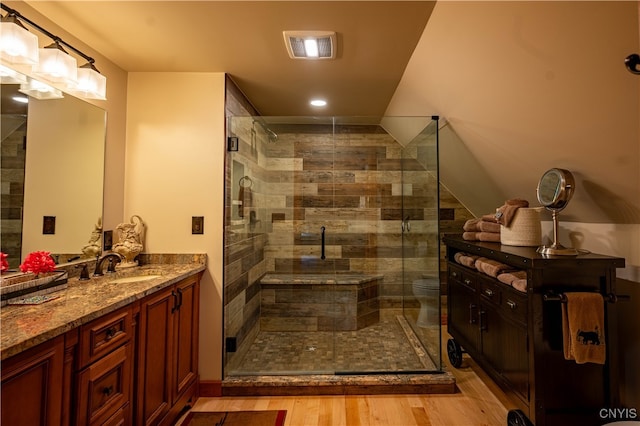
(421, 247)
(286, 229)
(318, 267)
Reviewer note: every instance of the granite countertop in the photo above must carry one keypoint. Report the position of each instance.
(24, 326)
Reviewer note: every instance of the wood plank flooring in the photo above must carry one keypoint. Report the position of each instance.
(480, 402)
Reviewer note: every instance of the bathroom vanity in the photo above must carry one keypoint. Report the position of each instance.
(114, 350)
(516, 336)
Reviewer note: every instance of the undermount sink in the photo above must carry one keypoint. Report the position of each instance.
(134, 279)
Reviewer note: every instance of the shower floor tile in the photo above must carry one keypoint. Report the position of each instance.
(383, 347)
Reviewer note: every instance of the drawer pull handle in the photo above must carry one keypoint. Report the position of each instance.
(175, 301)
(488, 292)
(111, 331)
(511, 304)
(454, 274)
(107, 390)
(467, 281)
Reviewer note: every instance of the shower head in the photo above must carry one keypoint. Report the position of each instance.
(271, 135)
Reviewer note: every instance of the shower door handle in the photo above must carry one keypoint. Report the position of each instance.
(322, 256)
(406, 225)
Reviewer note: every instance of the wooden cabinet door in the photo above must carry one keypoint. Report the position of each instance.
(155, 357)
(515, 361)
(491, 336)
(463, 315)
(31, 385)
(504, 349)
(185, 341)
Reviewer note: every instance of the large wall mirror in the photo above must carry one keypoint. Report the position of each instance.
(52, 175)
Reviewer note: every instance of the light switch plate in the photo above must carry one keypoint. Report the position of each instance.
(49, 225)
(233, 143)
(197, 224)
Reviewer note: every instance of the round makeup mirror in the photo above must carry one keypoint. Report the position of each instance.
(554, 191)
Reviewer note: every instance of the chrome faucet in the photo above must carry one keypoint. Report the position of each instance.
(113, 259)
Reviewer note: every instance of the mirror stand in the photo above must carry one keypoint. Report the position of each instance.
(554, 191)
(556, 248)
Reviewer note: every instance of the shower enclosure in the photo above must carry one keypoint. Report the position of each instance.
(331, 246)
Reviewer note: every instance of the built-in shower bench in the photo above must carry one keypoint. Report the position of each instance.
(319, 302)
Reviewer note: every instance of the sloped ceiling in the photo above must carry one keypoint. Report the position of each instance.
(527, 86)
(244, 38)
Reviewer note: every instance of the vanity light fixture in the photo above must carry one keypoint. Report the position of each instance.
(17, 45)
(91, 84)
(310, 44)
(53, 63)
(40, 90)
(56, 65)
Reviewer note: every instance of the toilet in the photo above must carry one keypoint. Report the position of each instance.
(427, 291)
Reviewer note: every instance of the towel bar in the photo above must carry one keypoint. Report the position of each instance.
(555, 297)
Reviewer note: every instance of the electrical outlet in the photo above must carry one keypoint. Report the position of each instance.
(197, 224)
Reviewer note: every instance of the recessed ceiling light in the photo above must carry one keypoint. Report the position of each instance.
(21, 99)
(318, 102)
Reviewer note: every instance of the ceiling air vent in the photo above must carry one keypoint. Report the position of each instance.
(310, 44)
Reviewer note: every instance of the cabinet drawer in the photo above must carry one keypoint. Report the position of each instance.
(515, 306)
(101, 336)
(119, 418)
(103, 388)
(490, 292)
(462, 276)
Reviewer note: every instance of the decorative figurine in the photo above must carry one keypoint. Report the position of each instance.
(130, 241)
(93, 248)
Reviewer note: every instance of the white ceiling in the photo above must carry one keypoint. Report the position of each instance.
(244, 38)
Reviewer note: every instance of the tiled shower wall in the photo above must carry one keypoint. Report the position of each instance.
(350, 182)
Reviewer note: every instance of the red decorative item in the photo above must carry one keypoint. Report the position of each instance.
(38, 262)
(4, 264)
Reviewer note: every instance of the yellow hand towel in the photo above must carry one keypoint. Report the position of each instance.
(583, 328)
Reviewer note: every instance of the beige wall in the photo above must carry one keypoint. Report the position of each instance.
(526, 86)
(175, 170)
